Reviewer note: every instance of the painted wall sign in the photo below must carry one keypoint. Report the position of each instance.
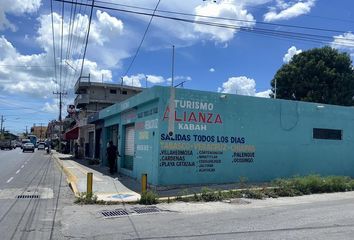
(193, 115)
(204, 152)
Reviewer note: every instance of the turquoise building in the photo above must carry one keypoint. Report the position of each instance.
(181, 136)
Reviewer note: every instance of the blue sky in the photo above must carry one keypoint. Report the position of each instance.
(207, 58)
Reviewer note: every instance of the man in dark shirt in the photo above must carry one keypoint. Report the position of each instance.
(112, 153)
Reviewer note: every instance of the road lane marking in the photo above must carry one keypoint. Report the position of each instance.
(10, 179)
(22, 166)
(18, 171)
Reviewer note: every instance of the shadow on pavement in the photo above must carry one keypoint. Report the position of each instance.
(165, 191)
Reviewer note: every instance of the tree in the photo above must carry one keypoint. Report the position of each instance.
(322, 75)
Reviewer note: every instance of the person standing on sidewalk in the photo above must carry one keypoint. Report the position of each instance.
(112, 153)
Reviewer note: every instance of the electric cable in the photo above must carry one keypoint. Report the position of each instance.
(265, 32)
(142, 39)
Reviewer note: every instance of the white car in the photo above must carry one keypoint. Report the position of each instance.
(41, 146)
(28, 147)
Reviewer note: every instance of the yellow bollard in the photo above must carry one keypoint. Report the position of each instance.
(143, 183)
(89, 183)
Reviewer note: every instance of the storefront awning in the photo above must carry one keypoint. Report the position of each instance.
(72, 134)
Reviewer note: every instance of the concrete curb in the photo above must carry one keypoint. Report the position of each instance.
(199, 194)
(71, 179)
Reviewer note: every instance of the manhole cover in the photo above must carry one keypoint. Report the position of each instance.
(143, 210)
(27, 196)
(120, 212)
(114, 213)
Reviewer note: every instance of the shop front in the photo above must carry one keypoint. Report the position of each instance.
(180, 136)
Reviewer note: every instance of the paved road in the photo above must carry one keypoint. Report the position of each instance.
(26, 174)
(329, 216)
(54, 216)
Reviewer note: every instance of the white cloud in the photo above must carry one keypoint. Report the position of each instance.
(179, 78)
(264, 94)
(239, 85)
(16, 7)
(163, 32)
(106, 28)
(155, 79)
(139, 80)
(344, 41)
(135, 80)
(225, 9)
(288, 10)
(292, 51)
(7, 49)
(35, 76)
(51, 107)
(242, 86)
(211, 70)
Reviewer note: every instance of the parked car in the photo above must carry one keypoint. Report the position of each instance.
(18, 144)
(13, 144)
(24, 141)
(5, 144)
(28, 147)
(41, 146)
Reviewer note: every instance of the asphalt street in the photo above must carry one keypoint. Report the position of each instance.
(326, 216)
(53, 215)
(32, 193)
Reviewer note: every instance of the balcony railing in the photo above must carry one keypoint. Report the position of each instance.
(82, 99)
(82, 82)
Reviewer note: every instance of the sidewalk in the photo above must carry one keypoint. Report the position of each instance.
(120, 188)
(109, 188)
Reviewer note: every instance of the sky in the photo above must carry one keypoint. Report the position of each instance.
(241, 55)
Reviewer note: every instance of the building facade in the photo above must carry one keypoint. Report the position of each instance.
(39, 131)
(180, 136)
(92, 97)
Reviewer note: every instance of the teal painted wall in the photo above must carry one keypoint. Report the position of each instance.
(218, 138)
(142, 111)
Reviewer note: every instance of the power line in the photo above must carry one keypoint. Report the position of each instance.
(87, 37)
(224, 18)
(60, 94)
(26, 66)
(142, 39)
(68, 44)
(256, 30)
(61, 46)
(53, 37)
(75, 42)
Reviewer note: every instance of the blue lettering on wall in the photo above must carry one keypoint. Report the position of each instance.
(202, 138)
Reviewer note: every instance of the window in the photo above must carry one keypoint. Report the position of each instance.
(113, 91)
(124, 92)
(330, 134)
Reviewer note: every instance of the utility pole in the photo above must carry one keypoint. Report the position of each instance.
(2, 121)
(61, 94)
(1, 130)
(173, 64)
(40, 132)
(60, 107)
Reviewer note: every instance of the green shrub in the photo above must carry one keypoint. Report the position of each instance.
(208, 195)
(270, 193)
(312, 184)
(85, 198)
(255, 194)
(149, 198)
